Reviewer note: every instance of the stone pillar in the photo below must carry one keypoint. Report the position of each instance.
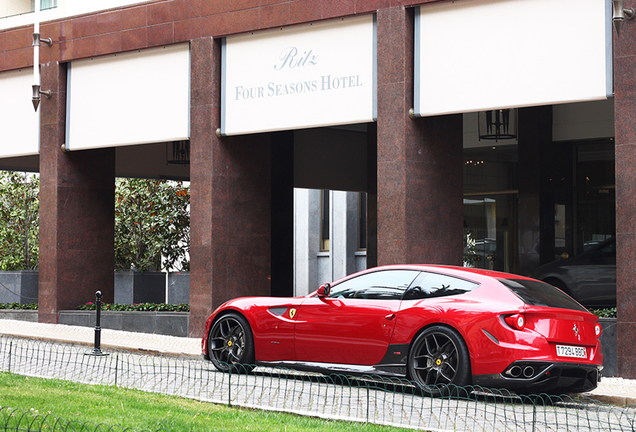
(230, 198)
(625, 132)
(282, 214)
(306, 240)
(372, 195)
(77, 211)
(536, 210)
(344, 243)
(419, 161)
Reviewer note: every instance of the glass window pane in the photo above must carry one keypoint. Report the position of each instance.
(430, 285)
(538, 293)
(384, 285)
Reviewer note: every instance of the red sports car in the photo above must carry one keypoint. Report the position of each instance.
(436, 325)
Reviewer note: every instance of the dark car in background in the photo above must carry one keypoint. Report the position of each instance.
(589, 277)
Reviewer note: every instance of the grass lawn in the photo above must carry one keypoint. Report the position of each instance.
(148, 411)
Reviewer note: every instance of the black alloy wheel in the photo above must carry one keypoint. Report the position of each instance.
(231, 344)
(439, 361)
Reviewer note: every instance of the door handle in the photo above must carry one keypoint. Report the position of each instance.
(390, 316)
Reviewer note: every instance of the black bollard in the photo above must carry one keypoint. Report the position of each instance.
(97, 351)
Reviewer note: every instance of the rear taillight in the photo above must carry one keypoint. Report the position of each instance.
(597, 329)
(516, 321)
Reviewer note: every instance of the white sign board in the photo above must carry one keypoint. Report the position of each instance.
(474, 55)
(310, 75)
(19, 122)
(136, 97)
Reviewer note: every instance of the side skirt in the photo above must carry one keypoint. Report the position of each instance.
(392, 365)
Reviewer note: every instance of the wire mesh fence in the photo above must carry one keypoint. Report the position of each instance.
(365, 399)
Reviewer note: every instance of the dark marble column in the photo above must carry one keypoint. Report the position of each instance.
(282, 214)
(419, 161)
(77, 211)
(230, 198)
(625, 131)
(372, 195)
(536, 209)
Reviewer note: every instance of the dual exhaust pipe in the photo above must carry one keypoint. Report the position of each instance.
(518, 372)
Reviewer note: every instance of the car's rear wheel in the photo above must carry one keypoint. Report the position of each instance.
(231, 344)
(439, 361)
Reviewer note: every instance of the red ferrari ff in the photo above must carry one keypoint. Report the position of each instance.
(436, 325)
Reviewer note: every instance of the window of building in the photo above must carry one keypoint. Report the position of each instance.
(44, 4)
(47, 4)
(362, 221)
(17, 7)
(325, 213)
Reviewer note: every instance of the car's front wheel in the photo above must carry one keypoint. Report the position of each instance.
(231, 344)
(439, 360)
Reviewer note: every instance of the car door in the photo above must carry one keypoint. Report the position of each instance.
(354, 324)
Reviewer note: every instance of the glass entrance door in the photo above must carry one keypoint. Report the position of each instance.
(489, 235)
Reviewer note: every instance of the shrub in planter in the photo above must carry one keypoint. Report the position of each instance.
(19, 306)
(604, 313)
(152, 232)
(19, 220)
(152, 220)
(19, 229)
(153, 307)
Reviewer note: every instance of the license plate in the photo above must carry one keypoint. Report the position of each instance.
(571, 351)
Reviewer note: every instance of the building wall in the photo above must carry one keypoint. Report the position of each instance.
(418, 165)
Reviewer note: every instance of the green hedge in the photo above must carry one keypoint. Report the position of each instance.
(109, 307)
(137, 307)
(601, 313)
(604, 313)
(19, 306)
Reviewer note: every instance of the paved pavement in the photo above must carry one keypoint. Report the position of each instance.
(615, 391)
(130, 341)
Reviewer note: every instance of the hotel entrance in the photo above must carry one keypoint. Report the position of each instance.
(577, 203)
(490, 208)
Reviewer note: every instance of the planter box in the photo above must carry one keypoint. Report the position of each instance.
(140, 287)
(165, 323)
(20, 286)
(178, 288)
(608, 346)
(19, 315)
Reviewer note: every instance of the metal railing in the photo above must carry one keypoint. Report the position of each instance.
(366, 399)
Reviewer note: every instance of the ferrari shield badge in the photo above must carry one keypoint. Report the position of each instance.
(292, 313)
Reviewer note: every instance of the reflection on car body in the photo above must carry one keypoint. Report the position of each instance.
(589, 277)
(437, 325)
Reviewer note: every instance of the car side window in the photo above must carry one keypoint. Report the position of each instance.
(380, 285)
(430, 285)
(606, 252)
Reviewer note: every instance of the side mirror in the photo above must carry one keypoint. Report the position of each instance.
(324, 290)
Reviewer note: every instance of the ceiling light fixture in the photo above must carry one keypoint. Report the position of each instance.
(497, 124)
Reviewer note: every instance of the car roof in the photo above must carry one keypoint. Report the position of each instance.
(477, 275)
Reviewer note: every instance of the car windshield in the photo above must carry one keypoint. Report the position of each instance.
(538, 293)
